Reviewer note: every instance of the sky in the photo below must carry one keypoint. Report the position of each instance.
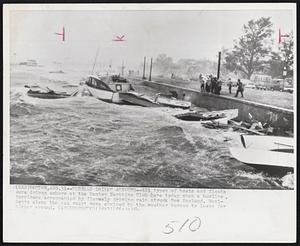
(180, 34)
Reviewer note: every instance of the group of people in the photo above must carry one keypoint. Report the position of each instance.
(210, 84)
(213, 85)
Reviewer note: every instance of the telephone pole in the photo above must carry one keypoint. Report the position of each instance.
(150, 69)
(219, 64)
(144, 68)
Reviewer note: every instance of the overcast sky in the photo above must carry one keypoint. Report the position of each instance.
(180, 34)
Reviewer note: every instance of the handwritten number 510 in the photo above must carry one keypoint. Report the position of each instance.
(173, 226)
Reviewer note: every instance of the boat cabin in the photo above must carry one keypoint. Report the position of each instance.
(110, 83)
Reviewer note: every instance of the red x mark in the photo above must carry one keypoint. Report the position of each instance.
(119, 39)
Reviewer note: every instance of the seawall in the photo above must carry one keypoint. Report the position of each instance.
(279, 118)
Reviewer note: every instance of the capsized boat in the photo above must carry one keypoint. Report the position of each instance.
(135, 98)
(272, 154)
(171, 101)
(205, 116)
(38, 92)
(108, 88)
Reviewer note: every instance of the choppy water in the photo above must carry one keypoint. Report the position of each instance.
(84, 141)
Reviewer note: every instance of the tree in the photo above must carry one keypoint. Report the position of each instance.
(163, 64)
(275, 65)
(287, 54)
(249, 52)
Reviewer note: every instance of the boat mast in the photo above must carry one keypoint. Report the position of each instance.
(95, 59)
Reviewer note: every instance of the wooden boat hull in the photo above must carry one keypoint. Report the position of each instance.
(272, 162)
(106, 96)
(138, 99)
(107, 88)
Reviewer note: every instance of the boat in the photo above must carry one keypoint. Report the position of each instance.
(59, 71)
(38, 92)
(207, 116)
(135, 98)
(273, 162)
(171, 101)
(271, 143)
(271, 154)
(31, 63)
(108, 88)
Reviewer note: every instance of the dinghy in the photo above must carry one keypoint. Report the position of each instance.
(272, 154)
(207, 116)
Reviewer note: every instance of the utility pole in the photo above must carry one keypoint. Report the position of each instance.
(219, 64)
(144, 68)
(150, 69)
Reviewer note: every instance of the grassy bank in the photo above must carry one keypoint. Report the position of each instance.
(275, 98)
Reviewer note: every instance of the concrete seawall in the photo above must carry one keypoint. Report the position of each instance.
(280, 118)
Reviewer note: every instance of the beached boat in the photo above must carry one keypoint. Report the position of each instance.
(271, 154)
(138, 99)
(205, 116)
(271, 143)
(108, 88)
(47, 94)
(170, 101)
(273, 162)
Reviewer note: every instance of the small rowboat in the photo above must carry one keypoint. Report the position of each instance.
(138, 99)
(274, 155)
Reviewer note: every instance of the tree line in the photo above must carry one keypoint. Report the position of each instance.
(251, 53)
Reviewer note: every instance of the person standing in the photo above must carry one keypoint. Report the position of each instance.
(240, 88)
(208, 84)
(201, 80)
(229, 83)
(212, 84)
(218, 87)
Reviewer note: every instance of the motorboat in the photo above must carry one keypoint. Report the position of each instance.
(108, 88)
(171, 101)
(135, 98)
(207, 116)
(272, 154)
